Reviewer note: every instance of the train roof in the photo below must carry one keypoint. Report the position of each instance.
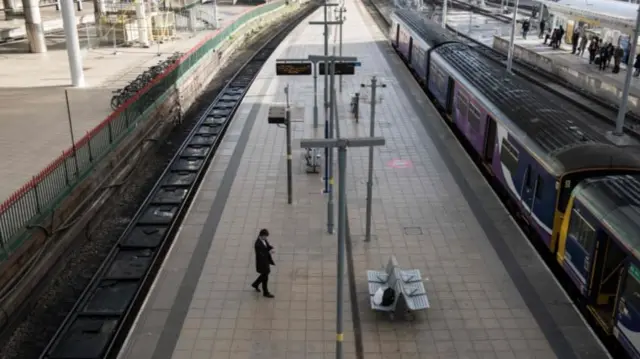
(615, 202)
(430, 31)
(559, 138)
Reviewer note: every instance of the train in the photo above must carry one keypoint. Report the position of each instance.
(572, 188)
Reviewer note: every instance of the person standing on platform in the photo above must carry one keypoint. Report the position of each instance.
(593, 49)
(525, 28)
(617, 58)
(264, 261)
(636, 66)
(583, 45)
(575, 39)
(542, 25)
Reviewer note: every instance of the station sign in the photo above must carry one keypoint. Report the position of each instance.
(293, 68)
(341, 68)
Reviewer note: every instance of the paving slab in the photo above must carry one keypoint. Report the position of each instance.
(34, 125)
(483, 304)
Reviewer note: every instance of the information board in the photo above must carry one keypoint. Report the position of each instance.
(293, 68)
(341, 68)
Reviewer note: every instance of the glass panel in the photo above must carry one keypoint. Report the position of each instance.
(631, 292)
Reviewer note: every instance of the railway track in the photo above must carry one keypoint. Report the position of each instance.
(565, 90)
(101, 318)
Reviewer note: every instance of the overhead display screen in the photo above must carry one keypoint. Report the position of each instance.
(341, 68)
(293, 68)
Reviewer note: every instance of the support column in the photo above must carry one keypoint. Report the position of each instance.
(33, 24)
(99, 10)
(9, 8)
(73, 43)
(143, 34)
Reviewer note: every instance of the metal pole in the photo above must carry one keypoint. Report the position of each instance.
(370, 176)
(326, 98)
(340, 46)
(215, 14)
(330, 223)
(513, 36)
(444, 14)
(289, 155)
(73, 43)
(73, 140)
(622, 111)
(342, 239)
(315, 95)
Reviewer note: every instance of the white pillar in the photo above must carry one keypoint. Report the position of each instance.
(73, 43)
(143, 33)
(513, 36)
(444, 13)
(33, 25)
(622, 110)
(215, 13)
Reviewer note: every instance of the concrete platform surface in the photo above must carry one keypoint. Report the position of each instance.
(490, 298)
(34, 126)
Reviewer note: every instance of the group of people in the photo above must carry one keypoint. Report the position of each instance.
(600, 53)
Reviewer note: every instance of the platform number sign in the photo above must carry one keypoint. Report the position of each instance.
(293, 68)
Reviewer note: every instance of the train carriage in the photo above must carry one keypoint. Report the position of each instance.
(533, 147)
(599, 243)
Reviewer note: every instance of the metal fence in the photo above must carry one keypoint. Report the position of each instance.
(40, 196)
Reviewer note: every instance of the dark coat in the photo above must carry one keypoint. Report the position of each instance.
(263, 257)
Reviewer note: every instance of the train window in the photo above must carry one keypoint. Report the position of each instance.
(474, 118)
(462, 104)
(631, 292)
(527, 178)
(509, 156)
(581, 231)
(539, 187)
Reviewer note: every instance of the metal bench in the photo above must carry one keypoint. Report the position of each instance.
(378, 278)
(408, 284)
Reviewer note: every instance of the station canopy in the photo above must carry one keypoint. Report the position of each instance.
(612, 14)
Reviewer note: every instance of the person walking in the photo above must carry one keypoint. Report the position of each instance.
(542, 25)
(264, 261)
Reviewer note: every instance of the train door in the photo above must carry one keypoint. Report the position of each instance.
(579, 248)
(397, 35)
(605, 279)
(410, 50)
(490, 140)
(628, 311)
(450, 87)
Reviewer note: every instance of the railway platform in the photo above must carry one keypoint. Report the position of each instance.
(575, 69)
(491, 296)
(34, 126)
